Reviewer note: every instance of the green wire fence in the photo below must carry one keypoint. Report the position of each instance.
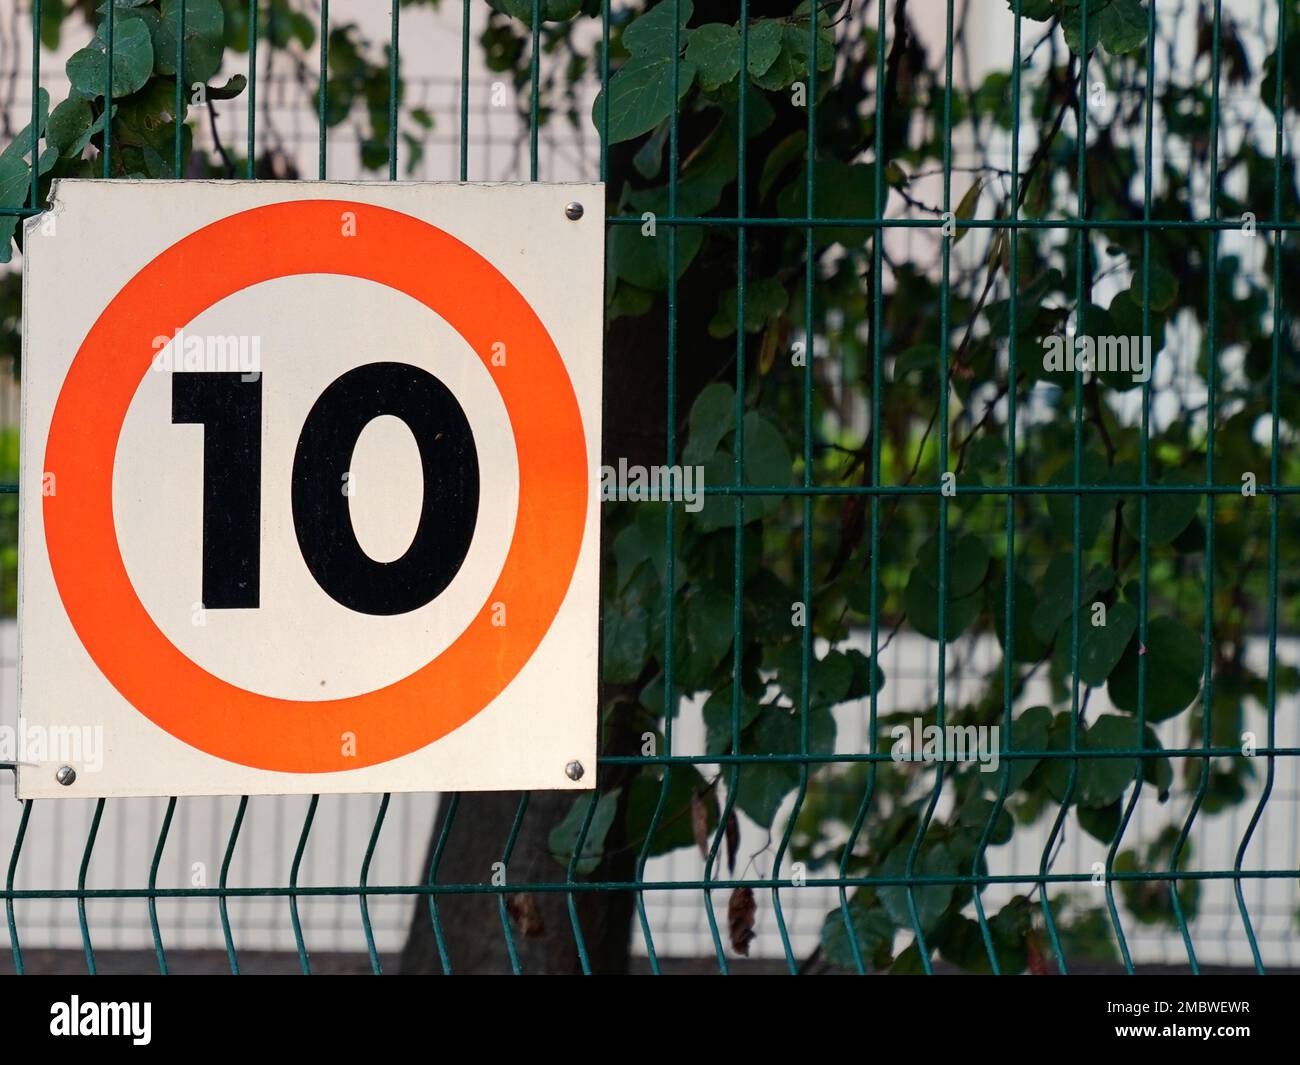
(843, 874)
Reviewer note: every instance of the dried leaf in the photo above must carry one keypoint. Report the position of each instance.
(966, 208)
(733, 843)
(740, 919)
(700, 823)
(1038, 965)
(767, 349)
(526, 914)
(998, 252)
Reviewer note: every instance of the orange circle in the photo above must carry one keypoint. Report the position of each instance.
(151, 673)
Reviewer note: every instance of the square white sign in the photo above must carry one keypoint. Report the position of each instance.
(309, 488)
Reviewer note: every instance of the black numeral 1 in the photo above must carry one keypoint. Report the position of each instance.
(229, 407)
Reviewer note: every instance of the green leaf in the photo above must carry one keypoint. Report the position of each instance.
(16, 175)
(706, 635)
(626, 644)
(1028, 645)
(1100, 646)
(921, 601)
(551, 10)
(715, 51)
(69, 121)
(1098, 781)
(96, 127)
(21, 145)
(146, 118)
(630, 550)
(649, 158)
(133, 59)
(908, 962)
(872, 929)
(1101, 822)
(779, 158)
(829, 683)
(686, 787)
(642, 259)
(564, 837)
(204, 39)
(931, 900)
(795, 43)
(1093, 507)
(919, 357)
(762, 788)
(652, 33)
(1055, 601)
(968, 562)
(1072, 24)
(766, 300)
(975, 813)
(843, 190)
(1173, 655)
(1150, 901)
(764, 44)
(1038, 10)
(866, 676)
(1029, 732)
(236, 84)
(1103, 781)
(1123, 26)
(768, 462)
(1157, 771)
(560, 10)
(961, 943)
(718, 709)
(718, 511)
(712, 417)
(15, 180)
(1163, 287)
(641, 95)
(1168, 513)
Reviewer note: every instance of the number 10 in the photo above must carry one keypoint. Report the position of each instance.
(229, 407)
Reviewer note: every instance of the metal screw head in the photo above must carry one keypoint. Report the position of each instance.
(66, 775)
(573, 212)
(574, 770)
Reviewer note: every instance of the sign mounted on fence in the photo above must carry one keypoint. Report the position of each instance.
(308, 488)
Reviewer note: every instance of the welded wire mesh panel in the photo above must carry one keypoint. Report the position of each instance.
(949, 550)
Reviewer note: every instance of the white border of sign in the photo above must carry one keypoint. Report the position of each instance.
(95, 238)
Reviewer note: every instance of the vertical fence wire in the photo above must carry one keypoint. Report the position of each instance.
(1274, 502)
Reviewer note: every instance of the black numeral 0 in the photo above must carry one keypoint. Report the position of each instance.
(230, 409)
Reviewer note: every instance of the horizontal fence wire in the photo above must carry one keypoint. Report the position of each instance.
(743, 226)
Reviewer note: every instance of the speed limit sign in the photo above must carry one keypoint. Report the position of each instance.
(308, 490)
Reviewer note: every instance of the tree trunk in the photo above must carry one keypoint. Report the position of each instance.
(635, 429)
(540, 922)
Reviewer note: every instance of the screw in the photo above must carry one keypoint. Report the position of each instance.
(66, 775)
(574, 770)
(573, 212)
